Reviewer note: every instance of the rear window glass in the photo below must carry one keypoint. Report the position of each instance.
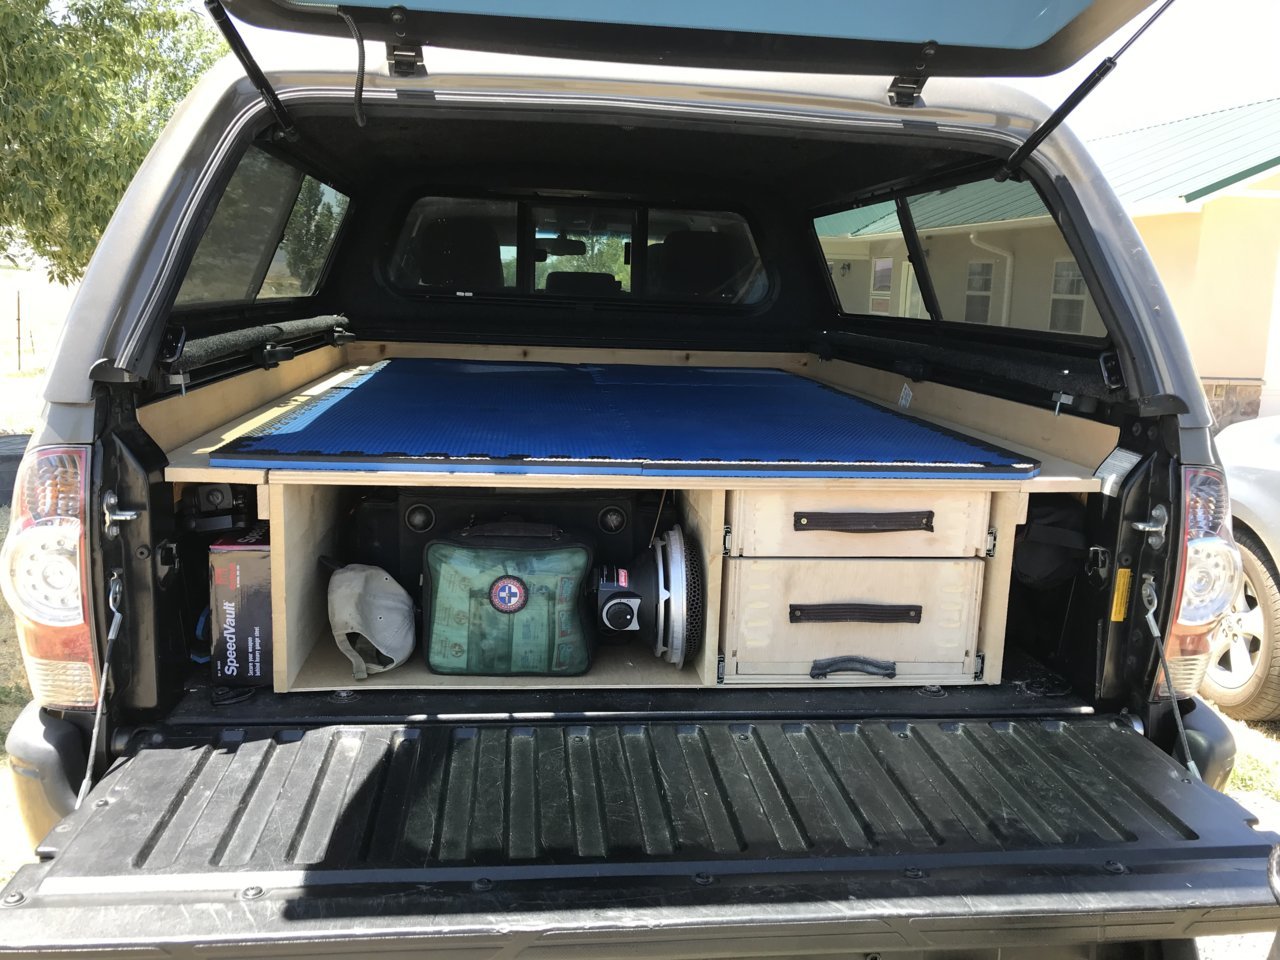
(269, 237)
(479, 247)
(993, 252)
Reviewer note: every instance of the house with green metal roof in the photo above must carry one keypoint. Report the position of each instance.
(1204, 192)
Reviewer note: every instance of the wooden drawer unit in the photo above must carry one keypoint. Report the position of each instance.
(920, 616)
(911, 523)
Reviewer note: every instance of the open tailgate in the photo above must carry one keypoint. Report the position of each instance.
(661, 838)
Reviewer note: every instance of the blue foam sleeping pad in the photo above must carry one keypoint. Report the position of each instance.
(456, 415)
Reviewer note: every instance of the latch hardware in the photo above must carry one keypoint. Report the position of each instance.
(907, 86)
(991, 542)
(113, 516)
(728, 539)
(403, 60)
(1156, 528)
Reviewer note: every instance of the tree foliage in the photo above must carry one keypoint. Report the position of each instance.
(85, 88)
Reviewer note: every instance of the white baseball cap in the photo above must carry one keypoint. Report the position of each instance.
(372, 619)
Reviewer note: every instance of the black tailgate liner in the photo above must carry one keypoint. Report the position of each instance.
(561, 799)
(337, 812)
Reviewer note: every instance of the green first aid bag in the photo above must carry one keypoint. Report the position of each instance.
(506, 599)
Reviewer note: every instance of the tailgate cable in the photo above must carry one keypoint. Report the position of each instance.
(1151, 602)
(115, 593)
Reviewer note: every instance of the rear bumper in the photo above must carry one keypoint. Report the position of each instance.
(702, 915)
(47, 759)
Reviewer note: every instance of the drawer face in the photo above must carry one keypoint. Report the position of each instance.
(782, 615)
(914, 523)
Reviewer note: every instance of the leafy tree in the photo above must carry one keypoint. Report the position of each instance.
(85, 88)
(309, 233)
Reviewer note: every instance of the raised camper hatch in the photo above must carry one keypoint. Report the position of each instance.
(540, 418)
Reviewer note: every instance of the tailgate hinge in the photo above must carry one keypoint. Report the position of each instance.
(720, 669)
(990, 549)
(908, 85)
(728, 539)
(405, 60)
(979, 665)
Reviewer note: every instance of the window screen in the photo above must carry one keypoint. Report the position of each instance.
(270, 235)
(992, 250)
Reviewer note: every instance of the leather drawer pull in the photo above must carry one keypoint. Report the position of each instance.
(877, 668)
(905, 522)
(855, 613)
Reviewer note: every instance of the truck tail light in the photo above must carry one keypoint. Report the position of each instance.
(44, 576)
(1209, 579)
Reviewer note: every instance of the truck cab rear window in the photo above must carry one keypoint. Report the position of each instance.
(269, 238)
(478, 247)
(992, 250)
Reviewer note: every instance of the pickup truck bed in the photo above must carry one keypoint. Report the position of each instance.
(634, 828)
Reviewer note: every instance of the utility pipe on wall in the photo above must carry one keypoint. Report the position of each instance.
(1008, 274)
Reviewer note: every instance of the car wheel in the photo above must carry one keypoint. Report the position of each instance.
(1244, 667)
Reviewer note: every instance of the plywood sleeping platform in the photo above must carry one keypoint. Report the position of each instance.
(690, 401)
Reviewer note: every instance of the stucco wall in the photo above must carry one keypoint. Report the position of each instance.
(1034, 248)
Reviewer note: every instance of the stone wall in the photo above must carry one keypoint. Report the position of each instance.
(1233, 400)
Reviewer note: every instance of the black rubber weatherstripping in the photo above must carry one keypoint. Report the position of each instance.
(822, 669)
(856, 612)
(902, 522)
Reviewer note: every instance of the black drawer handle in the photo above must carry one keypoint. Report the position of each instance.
(856, 613)
(877, 668)
(905, 522)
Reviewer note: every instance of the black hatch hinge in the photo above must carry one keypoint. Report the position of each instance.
(979, 666)
(908, 85)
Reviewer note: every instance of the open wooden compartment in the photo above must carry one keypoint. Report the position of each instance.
(305, 519)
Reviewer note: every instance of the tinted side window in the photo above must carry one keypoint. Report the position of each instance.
(993, 252)
(270, 235)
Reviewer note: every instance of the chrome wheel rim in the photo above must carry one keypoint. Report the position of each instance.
(1237, 643)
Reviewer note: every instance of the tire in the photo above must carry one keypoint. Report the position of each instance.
(1249, 692)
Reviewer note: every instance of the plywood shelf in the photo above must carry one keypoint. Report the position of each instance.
(626, 666)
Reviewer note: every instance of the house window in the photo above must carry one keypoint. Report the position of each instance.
(977, 299)
(881, 285)
(1066, 299)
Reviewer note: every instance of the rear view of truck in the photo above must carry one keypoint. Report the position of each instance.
(590, 509)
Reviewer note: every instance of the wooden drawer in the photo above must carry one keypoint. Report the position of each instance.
(920, 615)
(915, 523)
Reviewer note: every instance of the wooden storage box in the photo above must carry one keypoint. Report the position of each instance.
(921, 616)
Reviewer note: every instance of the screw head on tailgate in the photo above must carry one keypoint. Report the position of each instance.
(1115, 866)
(14, 898)
(251, 893)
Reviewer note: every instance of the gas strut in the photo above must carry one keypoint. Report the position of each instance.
(251, 68)
(1055, 119)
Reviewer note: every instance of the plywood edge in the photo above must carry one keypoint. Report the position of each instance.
(190, 462)
(412, 478)
(177, 420)
(1065, 446)
(371, 351)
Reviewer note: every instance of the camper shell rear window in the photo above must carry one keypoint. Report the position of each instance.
(474, 247)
